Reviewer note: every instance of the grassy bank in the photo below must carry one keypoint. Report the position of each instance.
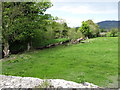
(94, 61)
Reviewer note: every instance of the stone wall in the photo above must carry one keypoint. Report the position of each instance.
(30, 82)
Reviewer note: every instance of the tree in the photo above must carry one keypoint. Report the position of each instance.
(21, 20)
(102, 30)
(65, 30)
(113, 32)
(89, 29)
(60, 28)
(85, 29)
(94, 28)
(73, 34)
(10, 11)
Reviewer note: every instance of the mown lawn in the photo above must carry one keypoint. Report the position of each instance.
(95, 61)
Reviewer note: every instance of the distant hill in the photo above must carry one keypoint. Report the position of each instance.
(77, 27)
(108, 24)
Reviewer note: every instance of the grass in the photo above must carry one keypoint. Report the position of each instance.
(95, 61)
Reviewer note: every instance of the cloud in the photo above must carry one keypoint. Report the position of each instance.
(73, 21)
(84, 9)
(77, 22)
(75, 13)
(85, 1)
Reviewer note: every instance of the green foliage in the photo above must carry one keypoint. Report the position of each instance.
(17, 47)
(60, 28)
(85, 29)
(26, 22)
(109, 34)
(37, 44)
(112, 33)
(65, 30)
(74, 34)
(89, 29)
(23, 21)
(102, 30)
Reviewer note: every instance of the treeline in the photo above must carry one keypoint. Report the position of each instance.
(113, 32)
(25, 26)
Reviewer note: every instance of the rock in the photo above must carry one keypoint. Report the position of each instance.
(56, 44)
(61, 43)
(30, 82)
(90, 85)
(18, 82)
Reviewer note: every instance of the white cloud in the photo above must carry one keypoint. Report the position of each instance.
(85, 1)
(72, 21)
(76, 22)
(74, 14)
(83, 9)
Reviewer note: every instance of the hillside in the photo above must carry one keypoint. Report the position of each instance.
(108, 24)
(95, 61)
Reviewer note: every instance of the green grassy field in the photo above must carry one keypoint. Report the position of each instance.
(95, 61)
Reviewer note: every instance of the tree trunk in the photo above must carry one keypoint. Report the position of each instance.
(28, 47)
(87, 37)
(6, 49)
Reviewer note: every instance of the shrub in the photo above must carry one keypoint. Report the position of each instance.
(112, 33)
(109, 34)
(74, 34)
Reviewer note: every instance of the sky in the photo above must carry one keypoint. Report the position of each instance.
(76, 11)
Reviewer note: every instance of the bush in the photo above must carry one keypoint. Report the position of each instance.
(74, 34)
(17, 46)
(48, 42)
(112, 33)
(109, 34)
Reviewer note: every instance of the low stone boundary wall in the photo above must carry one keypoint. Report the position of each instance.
(30, 82)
